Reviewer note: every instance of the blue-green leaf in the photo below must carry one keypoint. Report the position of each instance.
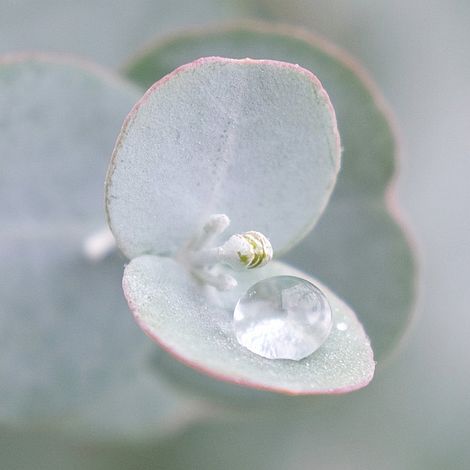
(255, 140)
(185, 319)
(105, 30)
(70, 356)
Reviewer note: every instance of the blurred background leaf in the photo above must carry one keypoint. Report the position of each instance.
(107, 31)
(71, 357)
(414, 49)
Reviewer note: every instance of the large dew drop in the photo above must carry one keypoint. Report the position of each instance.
(283, 317)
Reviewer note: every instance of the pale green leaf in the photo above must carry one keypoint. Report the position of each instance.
(195, 324)
(256, 140)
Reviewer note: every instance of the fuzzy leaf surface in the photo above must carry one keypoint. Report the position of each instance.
(194, 324)
(256, 140)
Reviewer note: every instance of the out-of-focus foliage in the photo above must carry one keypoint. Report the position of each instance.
(107, 31)
(70, 355)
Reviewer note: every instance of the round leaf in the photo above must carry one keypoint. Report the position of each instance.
(195, 324)
(256, 140)
(68, 350)
(358, 247)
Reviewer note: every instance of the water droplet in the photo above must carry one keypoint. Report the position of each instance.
(283, 317)
(341, 326)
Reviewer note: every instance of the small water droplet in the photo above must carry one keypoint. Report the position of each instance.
(283, 317)
(341, 326)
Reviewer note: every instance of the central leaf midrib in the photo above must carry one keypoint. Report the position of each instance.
(227, 154)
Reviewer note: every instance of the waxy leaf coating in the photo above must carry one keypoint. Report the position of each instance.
(256, 140)
(194, 323)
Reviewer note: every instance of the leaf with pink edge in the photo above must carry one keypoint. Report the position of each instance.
(195, 325)
(239, 137)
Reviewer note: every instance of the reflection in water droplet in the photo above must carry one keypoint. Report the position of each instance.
(283, 317)
(341, 326)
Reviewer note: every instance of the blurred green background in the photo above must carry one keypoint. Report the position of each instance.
(416, 412)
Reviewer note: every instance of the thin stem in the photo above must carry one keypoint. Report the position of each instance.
(215, 226)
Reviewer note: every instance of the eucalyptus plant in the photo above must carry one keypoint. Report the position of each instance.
(269, 158)
(221, 145)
